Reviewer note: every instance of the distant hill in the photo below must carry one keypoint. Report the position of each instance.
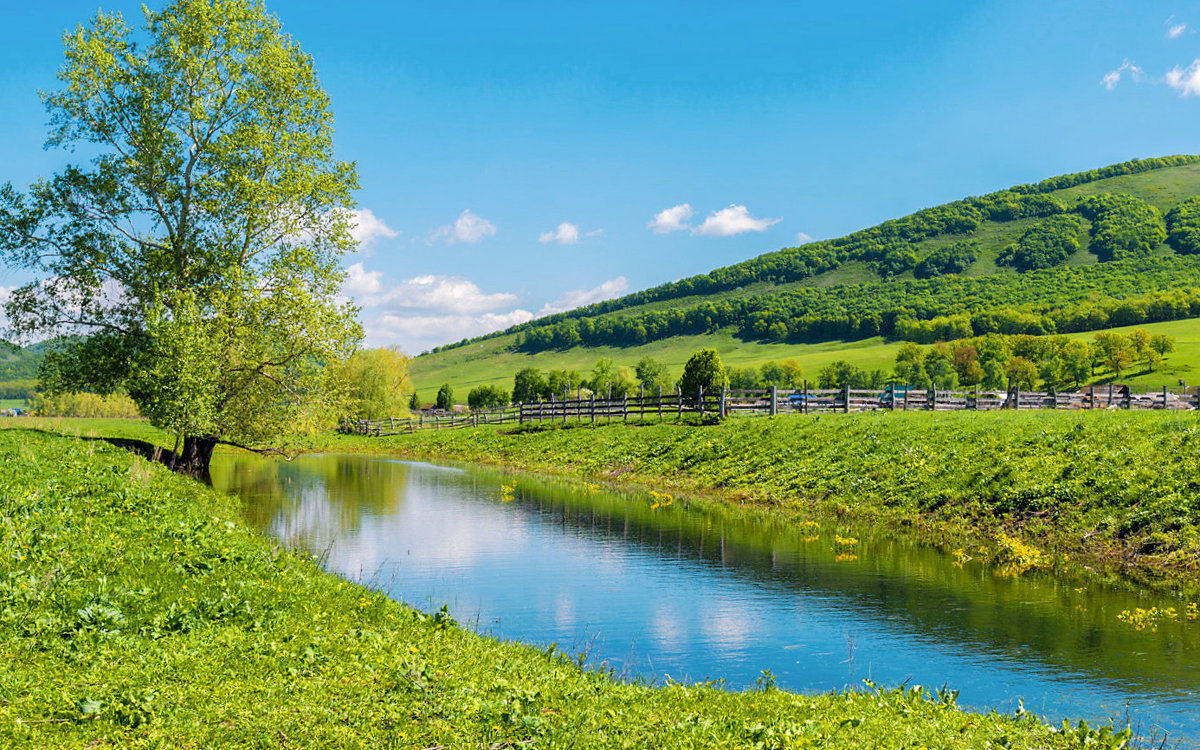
(1110, 247)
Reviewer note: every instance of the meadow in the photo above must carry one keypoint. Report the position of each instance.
(488, 362)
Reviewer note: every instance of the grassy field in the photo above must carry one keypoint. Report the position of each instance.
(487, 362)
(1113, 491)
(138, 610)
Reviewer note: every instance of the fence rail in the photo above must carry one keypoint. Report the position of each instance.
(772, 401)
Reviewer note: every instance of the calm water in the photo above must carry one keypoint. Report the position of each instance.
(696, 592)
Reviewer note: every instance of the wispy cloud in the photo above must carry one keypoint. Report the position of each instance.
(732, 220)
(366, 227)
(469, 228)
(1185, 80)
(580, 297)
(450, 294)
(1113, 77)
(803, 239)
(565, 234)
(418, 333)
(672, 219)
(1176, 31)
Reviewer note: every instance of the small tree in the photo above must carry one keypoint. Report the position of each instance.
(652, 374)
(414, 403)
(486, 397)
(378, 380)
(528, 386)
(703, 369)
(445, 397)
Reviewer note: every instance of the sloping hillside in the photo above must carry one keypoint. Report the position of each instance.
(1112, 247)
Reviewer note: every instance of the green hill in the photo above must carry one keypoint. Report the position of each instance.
(1117, 246)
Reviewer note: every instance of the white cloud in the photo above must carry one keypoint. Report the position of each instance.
(565, 234)
(418, 333)
(427, 311)
(468, 228)
(803, 238)
(671, 219)
(1113, 77)
(732, 220)
(1187, 80)
(580, 297)
(365, 227)
(429, 293)
(1176, 31)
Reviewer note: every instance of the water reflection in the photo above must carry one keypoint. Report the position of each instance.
(659, 588)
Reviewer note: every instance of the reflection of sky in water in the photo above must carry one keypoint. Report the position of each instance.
(657, 603)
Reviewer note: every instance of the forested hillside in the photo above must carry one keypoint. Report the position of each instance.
(1081, 252)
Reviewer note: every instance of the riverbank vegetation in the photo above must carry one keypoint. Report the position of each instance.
(137, 609)
(1113, 491)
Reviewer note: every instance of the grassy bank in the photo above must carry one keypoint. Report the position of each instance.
(137, 610)
(1113, 490)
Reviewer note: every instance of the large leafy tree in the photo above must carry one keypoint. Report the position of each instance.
(199, 249)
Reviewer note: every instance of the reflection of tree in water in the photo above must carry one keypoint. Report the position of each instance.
(310, 501)
(1059, 623)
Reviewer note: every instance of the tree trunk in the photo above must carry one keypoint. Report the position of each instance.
(196, 455)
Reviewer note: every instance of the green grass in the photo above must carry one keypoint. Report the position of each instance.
(1110, 490)
(488, 362)
(138, 610)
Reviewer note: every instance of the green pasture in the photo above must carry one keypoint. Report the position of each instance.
(489, 363)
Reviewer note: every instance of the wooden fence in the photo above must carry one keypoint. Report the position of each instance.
(661, 406)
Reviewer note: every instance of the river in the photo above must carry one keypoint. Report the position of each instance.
(655, 587)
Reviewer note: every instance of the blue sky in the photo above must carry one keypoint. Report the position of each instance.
(521, 158)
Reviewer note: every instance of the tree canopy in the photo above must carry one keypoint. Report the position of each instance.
(199, 250)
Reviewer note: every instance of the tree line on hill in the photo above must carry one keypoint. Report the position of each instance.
(891, 247)
(1063, 299)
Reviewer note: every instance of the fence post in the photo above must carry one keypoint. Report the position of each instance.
(1017, 398)
(774, 400)
(642, 402)
(660, 402)
(593, 404)
(1164, 398)
(1110, 394)
(723, 394)
(700, 394)
(905, 397)
(625, 407)
(975, 403)
(806, 397)
(846, 398)
(679, 399)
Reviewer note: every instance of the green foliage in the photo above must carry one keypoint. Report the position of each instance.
(1183, 227)
(842, 374)
(652, 375)
(609, 379)
(703, 370)
(201, 248)
(954, 258)
(379, 384)
(529, 386)
(1049, 362)
(1123, 227)
(114, 405)
(1047, 243)
(486, 397)
(445, 397)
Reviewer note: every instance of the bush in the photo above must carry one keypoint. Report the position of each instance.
(1045, 244)
(1123, 227)
(1183, 227)
(954, 258)
(703, 369)
(115, 405)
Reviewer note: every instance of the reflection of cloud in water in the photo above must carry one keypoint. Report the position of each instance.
(312, 523)
(564, 611)
(725, 624)
(666, 628)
